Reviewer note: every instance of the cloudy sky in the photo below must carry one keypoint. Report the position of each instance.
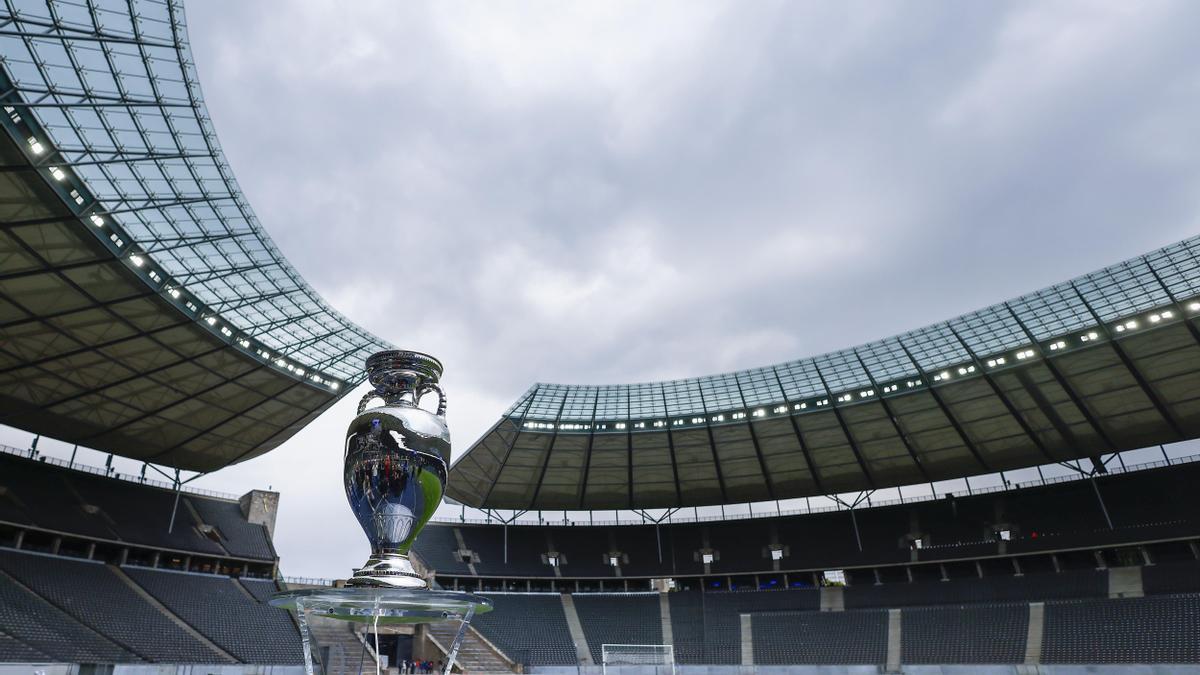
(613, 192)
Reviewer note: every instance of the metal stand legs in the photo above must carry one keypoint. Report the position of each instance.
(305, 638)
(458, 638)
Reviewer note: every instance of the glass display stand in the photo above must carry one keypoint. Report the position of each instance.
(382, 606)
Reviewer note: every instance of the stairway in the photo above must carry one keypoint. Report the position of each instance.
(338, 647)
(475, 655)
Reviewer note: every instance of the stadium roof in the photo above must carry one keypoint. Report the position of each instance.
(144, 310)
(1108, 361)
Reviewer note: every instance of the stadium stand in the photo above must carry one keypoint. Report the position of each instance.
(42, 496)
(95, 595)
(15, 651)
(1147, 505)
(530, 629)
(993, 633)
(32, 622)
(1171, 577)
(618, 619)
(1030, 587)
(1161, 629)
(238, 536)
(227, 614)
(442, 550)
(782, 638)
(81, 588)
(706, 625)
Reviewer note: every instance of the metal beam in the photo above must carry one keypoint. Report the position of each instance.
(1176, 304)
(812, 469)
(670, 443)
(937, 398)
(712, 444)
(1062, 382)
(1129, 365)
(999, 393)
(762, 463)
(833, 405)
(587, 456)
(537, 488)
(508, 450)
(887, 409)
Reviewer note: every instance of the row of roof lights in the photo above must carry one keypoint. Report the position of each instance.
(142, 261)
(847, 397)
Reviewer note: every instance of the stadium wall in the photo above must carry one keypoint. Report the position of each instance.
(147, 669)
(1123, 669)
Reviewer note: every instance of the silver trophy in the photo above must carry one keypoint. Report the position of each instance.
(394, 474)
(395, 465)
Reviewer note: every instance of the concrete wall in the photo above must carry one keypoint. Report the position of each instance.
(260, 507)
(148, 669)
(1161, 669)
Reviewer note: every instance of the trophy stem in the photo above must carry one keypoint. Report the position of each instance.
(387, 570)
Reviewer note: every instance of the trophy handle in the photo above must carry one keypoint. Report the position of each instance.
(362, 405)
(441, 409)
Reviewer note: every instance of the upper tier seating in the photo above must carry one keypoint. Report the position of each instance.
(1144, 505)
(1171, 577)
(1002, 588)
(42, 495)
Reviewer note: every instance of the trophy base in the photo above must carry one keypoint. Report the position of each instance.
(380, 606)
(387, 570)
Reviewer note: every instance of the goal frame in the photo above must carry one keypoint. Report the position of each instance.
(667, 652)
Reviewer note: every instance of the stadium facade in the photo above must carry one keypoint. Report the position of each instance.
(146, 311)
(1106, 362)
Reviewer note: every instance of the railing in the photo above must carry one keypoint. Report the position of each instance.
(309, 581)
(1053, 480)
(109, 473)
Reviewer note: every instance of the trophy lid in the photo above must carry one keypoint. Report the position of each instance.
(399, 369)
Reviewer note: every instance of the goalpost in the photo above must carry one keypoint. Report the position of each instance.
(662, 657)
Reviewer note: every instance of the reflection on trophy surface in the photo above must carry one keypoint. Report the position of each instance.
(395, 465)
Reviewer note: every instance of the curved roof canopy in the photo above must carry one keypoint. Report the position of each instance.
(143, 309)
(1108, 361)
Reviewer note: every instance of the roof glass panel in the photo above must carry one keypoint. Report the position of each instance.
(118, 95)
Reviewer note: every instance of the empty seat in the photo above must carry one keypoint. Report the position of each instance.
(1158, 629)
(225, 613)
(964, 634)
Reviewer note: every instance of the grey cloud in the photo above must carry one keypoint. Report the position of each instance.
(618, 192)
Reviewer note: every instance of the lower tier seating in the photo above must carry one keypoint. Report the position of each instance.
(1159, 629)
(620, 620)
(964, 634)
(80, 611)
(788, 628)
(226, 613)
(530, 629)
(94, 595)
(851, 637)
(32, 625)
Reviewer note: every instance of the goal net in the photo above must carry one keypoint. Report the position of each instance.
(616, 657)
